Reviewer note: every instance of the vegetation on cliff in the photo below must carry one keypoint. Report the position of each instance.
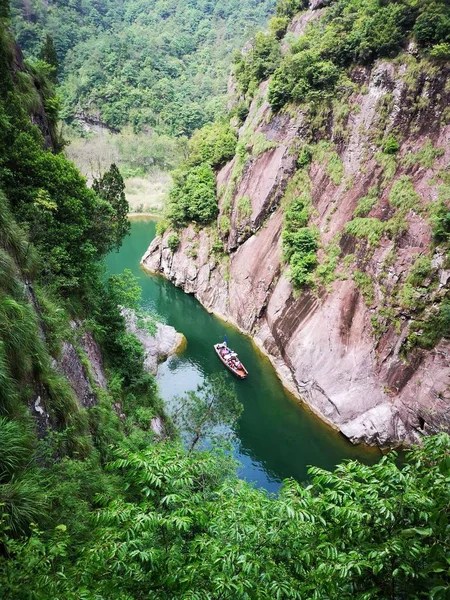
(351, 32)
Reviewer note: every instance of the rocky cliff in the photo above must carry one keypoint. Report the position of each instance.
(351, 344)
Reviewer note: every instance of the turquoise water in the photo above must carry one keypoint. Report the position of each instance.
(276, 436)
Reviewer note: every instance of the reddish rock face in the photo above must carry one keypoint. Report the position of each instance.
(321, 340)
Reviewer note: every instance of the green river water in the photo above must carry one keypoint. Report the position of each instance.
(276, 436)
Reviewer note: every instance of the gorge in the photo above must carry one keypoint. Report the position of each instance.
(275, 437)
(312, 213)
(342, 344)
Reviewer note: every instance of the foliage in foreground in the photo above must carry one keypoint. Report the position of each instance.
(184, 527)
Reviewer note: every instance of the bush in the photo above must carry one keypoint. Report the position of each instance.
(296, 215)
(278, 26)
(173, 241)
(301, 266)
(305, 157)
(299, 249)
(214, 144)
(391, 146)
(440, 52)
(366, 228)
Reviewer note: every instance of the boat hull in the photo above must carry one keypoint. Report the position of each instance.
(239, 373)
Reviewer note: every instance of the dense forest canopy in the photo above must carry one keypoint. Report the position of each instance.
(159, 65)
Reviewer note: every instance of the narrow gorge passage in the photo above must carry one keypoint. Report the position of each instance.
(276, 437)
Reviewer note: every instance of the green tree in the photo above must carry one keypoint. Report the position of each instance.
(4, 10)
(111, 188)
(48, 55)
(193, 196)
(204, 413)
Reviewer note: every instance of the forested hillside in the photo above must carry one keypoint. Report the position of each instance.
(159, 65)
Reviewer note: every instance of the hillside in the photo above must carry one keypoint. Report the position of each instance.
(154, 65)
(330, 245)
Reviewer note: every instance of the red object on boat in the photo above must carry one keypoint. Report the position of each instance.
(233, 363)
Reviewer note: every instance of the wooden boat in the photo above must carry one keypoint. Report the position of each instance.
(239, 371)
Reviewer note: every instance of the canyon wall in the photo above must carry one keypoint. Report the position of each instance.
(343, 344)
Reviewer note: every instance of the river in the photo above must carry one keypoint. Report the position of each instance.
(276, 437)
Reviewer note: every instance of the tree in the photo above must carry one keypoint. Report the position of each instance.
(204, 413)
(48, 54)
(111, 188)
(4, 10)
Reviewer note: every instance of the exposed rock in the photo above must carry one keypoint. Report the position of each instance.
(72, 367)
(315, 4)
(93, 352)
(158, 347)
(157, 426)
(321, 343)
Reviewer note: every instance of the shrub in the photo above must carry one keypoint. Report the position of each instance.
(305, 157)
(301, 266)
(278, 26)
(370, 229)
(302, 241)
(213, 144)
(391, 145)
(440, 52)
(299, 249)
(296, 215)
(173, 241)
(161, 227)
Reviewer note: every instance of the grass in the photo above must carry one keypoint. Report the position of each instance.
(370, 229)
(324, 154)
(425, 157)
(244, 207)
(224, 225)
(389, 164)
(366, 203)
(403, 196)
(365, 285)
(326, 271)
(261, 144)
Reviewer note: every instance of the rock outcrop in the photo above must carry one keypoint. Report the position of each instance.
(158, 345)
(324, 341)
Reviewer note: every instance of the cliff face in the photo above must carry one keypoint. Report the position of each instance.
(342, 344)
